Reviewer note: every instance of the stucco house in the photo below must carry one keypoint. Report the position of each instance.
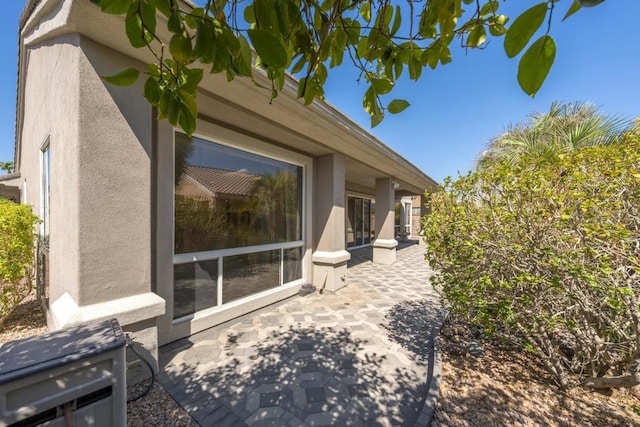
(174, 234)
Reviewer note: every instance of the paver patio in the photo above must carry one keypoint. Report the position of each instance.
(358, 356)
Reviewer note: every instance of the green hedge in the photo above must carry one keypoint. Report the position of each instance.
(547, 252)
(17, 254)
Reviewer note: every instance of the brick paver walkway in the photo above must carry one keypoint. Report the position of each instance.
(355, 357)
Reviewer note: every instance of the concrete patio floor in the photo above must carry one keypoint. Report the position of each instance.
(359, 356)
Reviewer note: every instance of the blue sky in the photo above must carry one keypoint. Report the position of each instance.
(456, 109)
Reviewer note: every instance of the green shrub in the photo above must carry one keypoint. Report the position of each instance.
(17, 252)
(547, 252)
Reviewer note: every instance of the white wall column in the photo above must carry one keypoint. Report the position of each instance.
(329, 255)
(384, 246)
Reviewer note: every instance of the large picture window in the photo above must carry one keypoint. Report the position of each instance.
(237, 224)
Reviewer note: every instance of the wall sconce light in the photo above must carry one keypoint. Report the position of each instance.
(395, 185)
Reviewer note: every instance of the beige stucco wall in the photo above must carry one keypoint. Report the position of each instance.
(114, 181)
(100, 189)
(51, 106)
(100, 137)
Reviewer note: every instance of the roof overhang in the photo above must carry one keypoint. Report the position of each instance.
(315, 130)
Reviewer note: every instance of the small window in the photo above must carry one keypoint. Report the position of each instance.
(42, 267)
(45, 180)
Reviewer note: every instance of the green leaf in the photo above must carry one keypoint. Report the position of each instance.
(268, 47)
(180, 48)
(152, 91)
(115, 7)
(193, 77)
(496, 25)
(445, 55)
(175, 23)
(432, 57)
(535, 64)
(376, 119)
(575, 6)
(249, 14)
(477, 36)
(523, 28)
(397, 106)
(133, 28)
(148, 12)
(243, 63)
(233, 45)
(415, 68)
(381, 86)
(164, 6)
(398, 67)
(369, 102)
(489, 8)
(188, 100)
(221, 61)
(297, 67)
(205, 45)
(365, 11)
(397, 20)
(173, 113)
(265, 15)
(126, 77)
(187, 120)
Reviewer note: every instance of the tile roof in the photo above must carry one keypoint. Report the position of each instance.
(221, 181)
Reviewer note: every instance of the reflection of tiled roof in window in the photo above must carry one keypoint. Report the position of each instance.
(220, 181)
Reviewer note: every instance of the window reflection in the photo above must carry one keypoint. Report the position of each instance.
(360, 221)
(248, 274)
(228, 198)
(194, 287)
(292, 264)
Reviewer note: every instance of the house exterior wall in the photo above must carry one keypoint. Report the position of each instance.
(112, 178)
(114, 181)
(99, 240)
(51, 112)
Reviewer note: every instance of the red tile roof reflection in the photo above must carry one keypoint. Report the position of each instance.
(221, 181)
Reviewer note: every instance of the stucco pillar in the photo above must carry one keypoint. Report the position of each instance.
(101, 228)
(329, 256)
(384, 246)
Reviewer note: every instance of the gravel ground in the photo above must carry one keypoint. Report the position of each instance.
(503, 387)
(498, 388)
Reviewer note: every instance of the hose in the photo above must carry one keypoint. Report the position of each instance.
(130, 344)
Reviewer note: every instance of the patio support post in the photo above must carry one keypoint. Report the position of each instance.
(384, 246)
(329, 256)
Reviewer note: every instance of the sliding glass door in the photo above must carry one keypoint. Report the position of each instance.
(360, 220)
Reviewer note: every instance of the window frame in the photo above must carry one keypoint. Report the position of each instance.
(45, 187)
(371, 236)
(294, 159)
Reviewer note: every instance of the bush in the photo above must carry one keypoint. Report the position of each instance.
(547, 252)
(17, 252)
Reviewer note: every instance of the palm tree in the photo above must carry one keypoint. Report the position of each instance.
(6, 166)
(565, 127)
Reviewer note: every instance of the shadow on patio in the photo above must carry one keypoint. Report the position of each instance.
(361, 355)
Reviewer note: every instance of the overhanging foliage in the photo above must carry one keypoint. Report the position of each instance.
(383, 39)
